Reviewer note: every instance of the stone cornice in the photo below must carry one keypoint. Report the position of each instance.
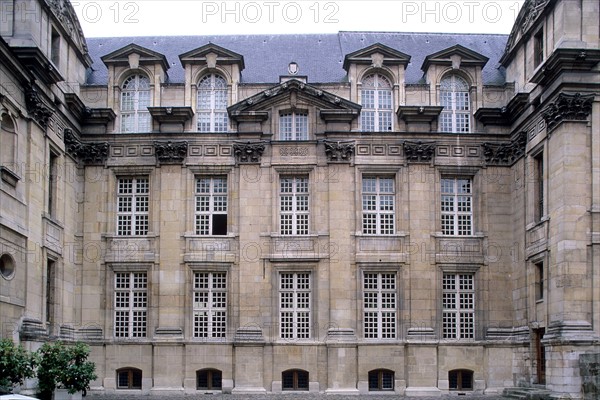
(98, 116)
(419, 113)
(88, 153)
(38, 63)
(172, 115)
(505, 153)
(36, 108)
(248, 152)
(419, 152)
(339, 151)
(566, 60)
(169, 152)
(492, 116)
(568, 107)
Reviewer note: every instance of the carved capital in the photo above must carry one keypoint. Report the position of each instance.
(169, 152)
(88, 153)
(568, 107)
(505, 153)
(36, 107)
(339, 151)
(248, 152)
(419, 151)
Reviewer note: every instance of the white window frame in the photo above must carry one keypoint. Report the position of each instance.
(458, 305)
(456, 206)
(136, 88)
(210, 201)
(380, 305)
(214, 308)
(378, 206)
(293, 126)
(456, 100)
(377, 100)
(133, 207)
(130, 305)
(294, 205)
(211, 104)
(295, 304)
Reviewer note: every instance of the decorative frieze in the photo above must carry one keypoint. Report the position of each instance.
(169, 152)
(248, 152)
(36, 107)
(505, 153)
(87, 153)
(568, 107)
(339, 151)
(419, 151)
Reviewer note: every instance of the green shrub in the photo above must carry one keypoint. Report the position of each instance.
(16, 364)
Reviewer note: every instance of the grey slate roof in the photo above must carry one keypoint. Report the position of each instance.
(319, 56)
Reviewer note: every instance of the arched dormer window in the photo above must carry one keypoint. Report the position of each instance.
(212, 104)
(376, 101)
(135, 99)
(455, 98)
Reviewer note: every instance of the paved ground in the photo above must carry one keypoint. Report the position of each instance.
(289, 396)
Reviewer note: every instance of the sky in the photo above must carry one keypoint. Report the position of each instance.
(101, 18)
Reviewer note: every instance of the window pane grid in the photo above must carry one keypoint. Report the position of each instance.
(131, 304)
(295, 305)
(455, 98)
(458, 304)
(211, 106)
(294, 206)
(293, 126)
(378, 204)
(379, 305)
(135, 100)
(211, 206)
(456, 207)
(133, 206)
(210, 304)
(377, 104)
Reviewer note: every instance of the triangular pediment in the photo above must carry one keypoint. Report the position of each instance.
(146, 56)
(202, 55)
(457, 53)
(300, 91)
(376, 53)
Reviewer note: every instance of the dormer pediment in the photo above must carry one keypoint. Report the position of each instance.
(211, 54)
(456, 56)
(134, 55)
(291, 93)
(376, 55)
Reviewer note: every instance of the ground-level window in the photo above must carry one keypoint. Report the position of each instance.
(460, 379)
(209, 379)
(294, 379)
(381, 379)
(129, 378)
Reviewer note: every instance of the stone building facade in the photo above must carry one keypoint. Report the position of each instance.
(350, 213)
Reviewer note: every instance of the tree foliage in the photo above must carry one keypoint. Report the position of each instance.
(16, 364)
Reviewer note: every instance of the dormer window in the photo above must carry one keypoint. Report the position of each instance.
(454, 97)
(293, 126)
(135, 99)
(212, 104)
(376, 100)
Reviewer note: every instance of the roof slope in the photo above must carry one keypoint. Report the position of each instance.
(319, 56)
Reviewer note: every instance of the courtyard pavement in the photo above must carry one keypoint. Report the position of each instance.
(288, 396)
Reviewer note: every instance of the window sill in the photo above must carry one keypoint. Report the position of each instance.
(9, 176)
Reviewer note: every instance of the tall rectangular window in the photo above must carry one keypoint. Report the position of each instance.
(538, 170)
(294, 305)
(50, 291)
(458, 306)
(539, 281)
(293, 126)
(379, 305)
(53, 184)
(211, 205)
(378, 205)
(210, 304)
(133, 200)
(538, 48)
(293, 205)
(131, 304)
(457, 206)
(55, 48)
